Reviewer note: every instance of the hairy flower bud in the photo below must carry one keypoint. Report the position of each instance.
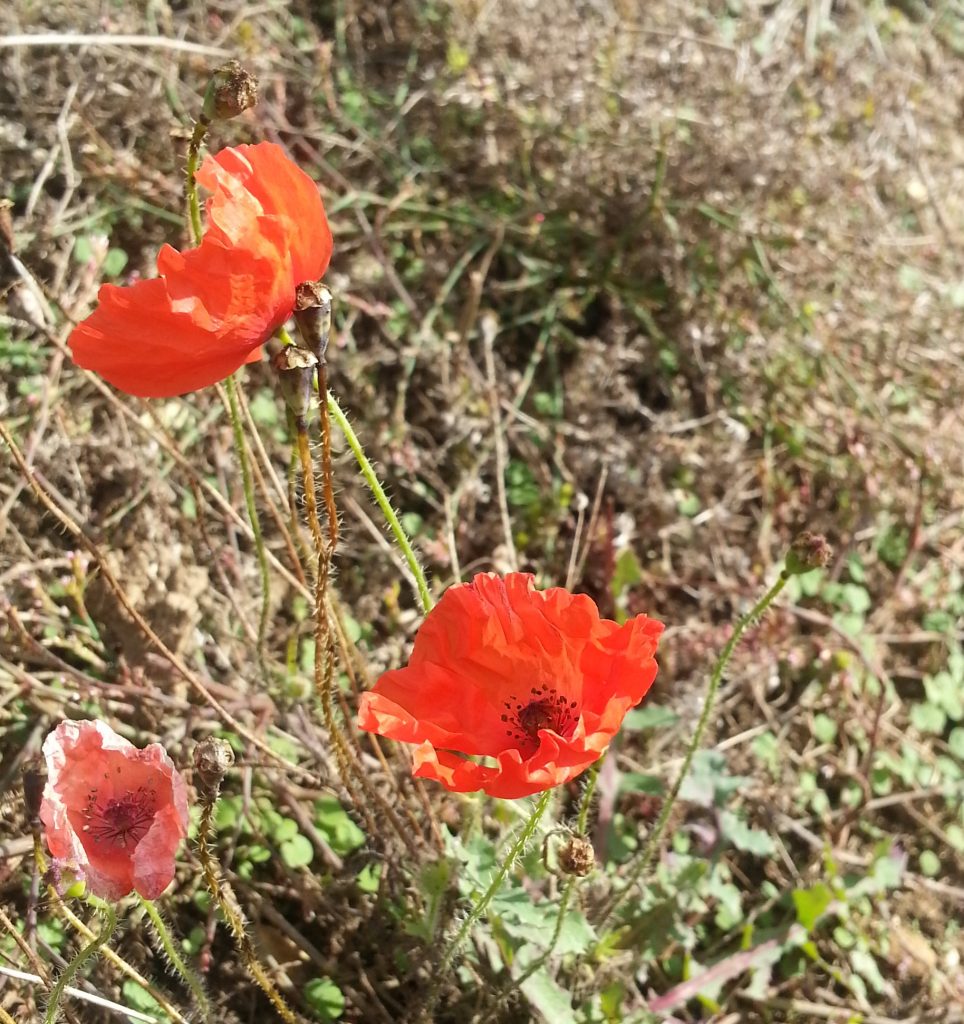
(809, 551)
(577, 857)
(231, 91)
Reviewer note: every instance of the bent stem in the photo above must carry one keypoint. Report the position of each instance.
(378, 492)
(223, 896)
(70, 971)
(643, 862)
(190, 978)
(247, 481)
(455, 943)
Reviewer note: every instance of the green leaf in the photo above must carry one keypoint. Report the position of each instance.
(866, 966)
(930, 864)
(956, 742)
(284, 829)
(743, 837)
(637, 782)
(368, 878)
(114, 262)
(626, 573)
(824, 728)
(342, 833)
(811, 904)
(552, 1002)
(325, 998)
(297, 852)
(928, 717)
(138, 998)
(652, 716)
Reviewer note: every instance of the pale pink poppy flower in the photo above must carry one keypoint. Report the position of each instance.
(114, 813)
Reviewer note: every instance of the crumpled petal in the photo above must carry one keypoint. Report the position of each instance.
(114, 813)
(534, 684)
(211, 308)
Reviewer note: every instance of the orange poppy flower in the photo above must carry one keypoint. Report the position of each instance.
(533, 682)
(112, 813)
(211, 308)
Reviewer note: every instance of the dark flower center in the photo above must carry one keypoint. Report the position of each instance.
(546, 709)
(123, 822)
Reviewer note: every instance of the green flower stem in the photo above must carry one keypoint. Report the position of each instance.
(190, 180)
(643, 862)
(378, 492)
(582, 818)
(582, 821)
(248, 484)
(177, 962)
(455, 943)
(70, 971)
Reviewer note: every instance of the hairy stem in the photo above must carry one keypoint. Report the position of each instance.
(325, 660)
(455, 943)
(70, 971)
(378, 492)
(582, 820)
(641, 865)
(190, 181)
(248, 485)
(190, 978)
(224, 898)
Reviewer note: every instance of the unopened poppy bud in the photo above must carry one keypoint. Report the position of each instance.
(313, 316)
(577, 857)
(34, 780)
(295, 368)
(212, 759)
(809, 551)
(231, 91)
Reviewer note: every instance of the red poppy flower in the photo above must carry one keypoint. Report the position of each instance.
(114, 813)
(211, 308)
(533, 680)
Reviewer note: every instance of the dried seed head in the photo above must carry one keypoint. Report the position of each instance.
(577, 857)
(295, 368)
(809, 551)
(313, 316)
(212, 759)
(34, 780)
(231, 91)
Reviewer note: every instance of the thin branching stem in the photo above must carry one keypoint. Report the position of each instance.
(640, 867)
(247, 483)
(454, 944)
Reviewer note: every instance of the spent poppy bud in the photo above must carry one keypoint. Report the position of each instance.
(231, 91)
(212, 759)
(313, 316)
(536, 682)
(577, 857)
(809, 551)
(295, 368)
